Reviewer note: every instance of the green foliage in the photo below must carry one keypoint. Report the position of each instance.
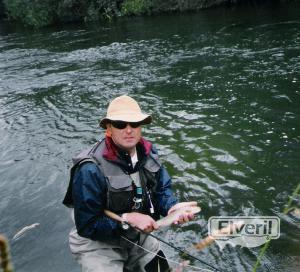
(36, 13)
(101, 9)
(136, 7)
(40, 13)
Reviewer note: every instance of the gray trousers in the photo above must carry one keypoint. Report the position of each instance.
(96, 256)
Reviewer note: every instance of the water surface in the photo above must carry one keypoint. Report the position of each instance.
(223, 89)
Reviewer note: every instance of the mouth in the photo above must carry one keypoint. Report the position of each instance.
(129, 138)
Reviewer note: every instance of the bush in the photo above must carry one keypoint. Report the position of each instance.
(36, 13)
(40, 13)
(136, 7)
(101, 9)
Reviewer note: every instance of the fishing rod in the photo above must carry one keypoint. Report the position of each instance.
(182, 264)
(180, 250)
(119, 219)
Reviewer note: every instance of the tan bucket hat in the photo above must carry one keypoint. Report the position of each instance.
(125, 108)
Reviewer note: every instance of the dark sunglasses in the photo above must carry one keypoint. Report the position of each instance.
(122, 124)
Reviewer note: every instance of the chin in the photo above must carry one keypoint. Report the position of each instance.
(129, 146)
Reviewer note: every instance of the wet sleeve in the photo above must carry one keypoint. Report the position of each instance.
(89, 195)
(166, 198)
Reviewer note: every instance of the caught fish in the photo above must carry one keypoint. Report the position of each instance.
(174, 216)
(23, 230)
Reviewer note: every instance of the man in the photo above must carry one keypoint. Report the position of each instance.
(121, 174)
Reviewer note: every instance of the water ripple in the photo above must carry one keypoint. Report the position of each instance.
(225, 104)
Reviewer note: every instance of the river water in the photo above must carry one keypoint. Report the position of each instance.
(223, 88)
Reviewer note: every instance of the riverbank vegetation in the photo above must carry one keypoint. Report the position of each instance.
(39, 13)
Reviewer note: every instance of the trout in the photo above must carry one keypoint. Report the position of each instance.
(174, 216)
(166, 221)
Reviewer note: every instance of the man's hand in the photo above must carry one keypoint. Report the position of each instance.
(141, 221)
(184, 217)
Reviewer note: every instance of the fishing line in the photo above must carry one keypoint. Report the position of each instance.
(119, 219)
(178, 249)
(169, 260)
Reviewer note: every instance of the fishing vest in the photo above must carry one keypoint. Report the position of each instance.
(120, 185)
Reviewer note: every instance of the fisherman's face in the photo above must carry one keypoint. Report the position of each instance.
(126, 138)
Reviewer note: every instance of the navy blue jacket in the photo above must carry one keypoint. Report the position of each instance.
(89, 200)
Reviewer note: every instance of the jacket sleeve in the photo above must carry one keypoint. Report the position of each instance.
(164, 193)
(89, 196)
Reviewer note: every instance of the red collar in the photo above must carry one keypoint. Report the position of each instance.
(111, 150)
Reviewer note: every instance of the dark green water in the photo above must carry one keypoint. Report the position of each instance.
(223, 88)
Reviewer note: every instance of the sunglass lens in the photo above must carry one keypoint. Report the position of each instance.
(122, 124)
(135, 125)
(119, 124)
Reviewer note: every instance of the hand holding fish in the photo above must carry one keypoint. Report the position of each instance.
(141, 221)
(180, 213)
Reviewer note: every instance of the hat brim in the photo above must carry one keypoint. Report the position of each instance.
(143, 118)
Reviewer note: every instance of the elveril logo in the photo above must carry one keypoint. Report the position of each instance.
(246, 231)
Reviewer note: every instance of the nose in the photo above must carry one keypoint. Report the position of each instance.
(128, 128)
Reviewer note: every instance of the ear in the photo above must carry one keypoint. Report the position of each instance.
(108, 132)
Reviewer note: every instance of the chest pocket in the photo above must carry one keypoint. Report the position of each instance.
(150, 172)
(120, 193)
